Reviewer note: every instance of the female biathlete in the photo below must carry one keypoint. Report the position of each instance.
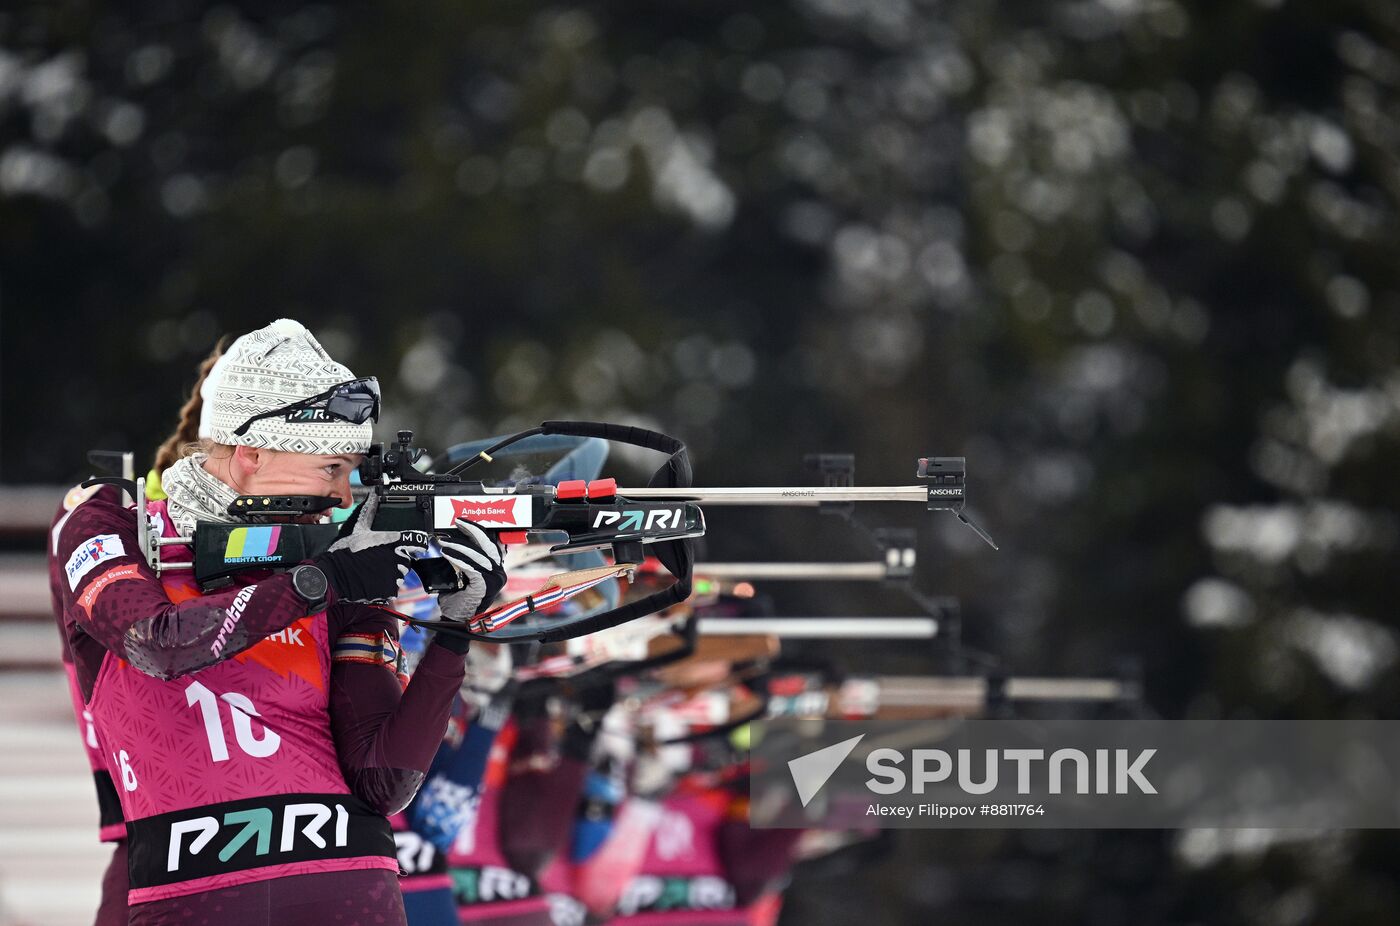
(258, 734)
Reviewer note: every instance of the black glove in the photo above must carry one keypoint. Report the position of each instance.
(366, 564)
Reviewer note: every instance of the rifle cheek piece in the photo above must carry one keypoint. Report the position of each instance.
(253, 506)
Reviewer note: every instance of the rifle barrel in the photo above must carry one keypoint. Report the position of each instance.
(914, 691)
(796, 495)
(1066, 689)
(825, 628)
(835, 572)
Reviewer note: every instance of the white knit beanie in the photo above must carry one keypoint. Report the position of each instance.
(268, 369)
(206, 395)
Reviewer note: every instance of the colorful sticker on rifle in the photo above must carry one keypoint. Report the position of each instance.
(487, 510)
(252, 545)
(86, 557)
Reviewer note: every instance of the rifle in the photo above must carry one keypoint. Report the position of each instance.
(592, 515)
(894, 696)
(634, 648)
(785, 687)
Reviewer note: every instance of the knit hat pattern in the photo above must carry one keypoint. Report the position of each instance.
(269, 369)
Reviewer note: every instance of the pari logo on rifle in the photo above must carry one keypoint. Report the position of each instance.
(641, 519)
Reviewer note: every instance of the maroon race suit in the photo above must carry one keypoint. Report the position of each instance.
(256, 747)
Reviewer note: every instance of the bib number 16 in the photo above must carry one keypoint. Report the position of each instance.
(241, 713)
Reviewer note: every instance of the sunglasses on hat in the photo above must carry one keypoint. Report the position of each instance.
(355, 401)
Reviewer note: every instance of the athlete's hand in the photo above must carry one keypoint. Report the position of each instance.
(366, 564)
(479, 564)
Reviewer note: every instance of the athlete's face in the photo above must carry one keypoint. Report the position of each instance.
(275, 472)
